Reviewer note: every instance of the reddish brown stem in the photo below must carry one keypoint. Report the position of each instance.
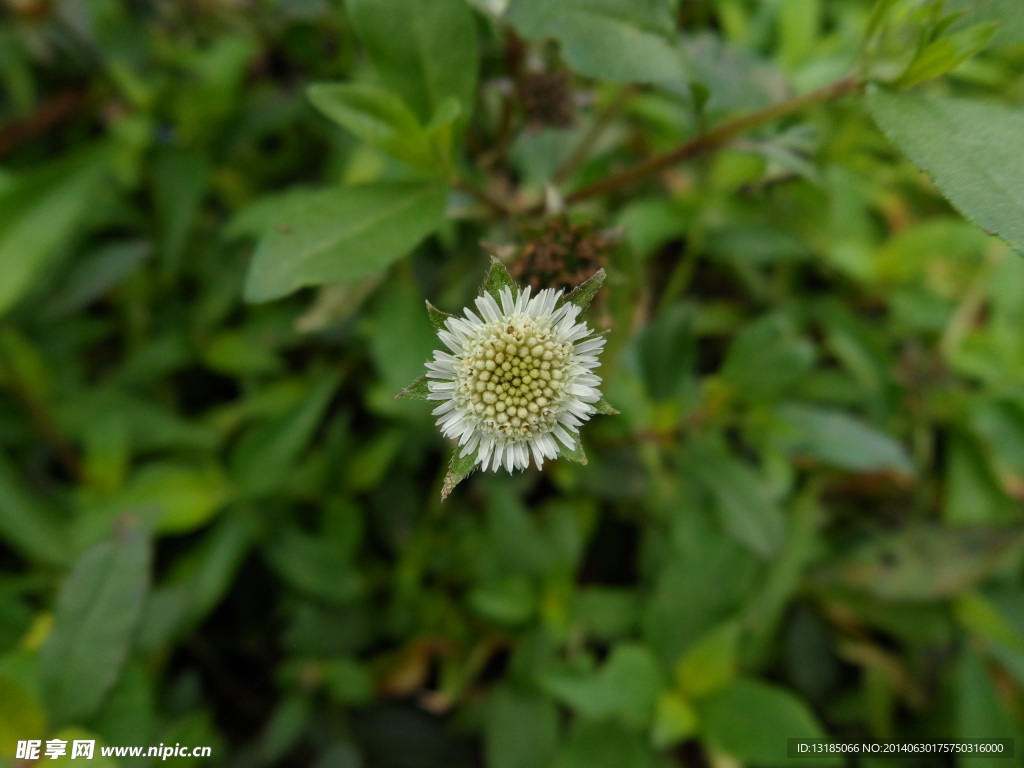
(51, 112)
(709, 141)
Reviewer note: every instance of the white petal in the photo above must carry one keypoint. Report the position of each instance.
(489, 308)
(450, 341)
(590, 345)
(470, 446)
(523, 300)
(444, 408)
(508, 460)
(538, 453)
(563, 436)
(486, 446)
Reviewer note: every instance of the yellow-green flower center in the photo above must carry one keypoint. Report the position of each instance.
(512, 378)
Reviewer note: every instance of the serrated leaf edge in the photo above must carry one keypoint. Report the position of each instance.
(458, 471)
(417, 389)
(585, 292)
(498, 277)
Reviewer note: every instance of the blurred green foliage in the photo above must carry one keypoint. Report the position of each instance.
(219, 221)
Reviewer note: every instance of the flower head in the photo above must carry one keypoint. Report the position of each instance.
(517, 378)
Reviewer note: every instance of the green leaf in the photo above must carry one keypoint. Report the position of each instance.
(26, 523)
(94, 624)
(675, 720)
(520, 729)
(666, 351)
(186, 496)
(516, 542)
(442, 127)
(15, 618)
(604, 745)
(711, 663)
(584, 293)
(198, 582)
(264, 458)
(181, 176)
(945, 53)
(681, 609)
(269, 212)
(980, 616)
(1000, 424)
(766, 358)
(129, 710)
(799, 21)
(1009, 14)
(460, 468)
(418, 390)
(605, 409)
(834, 438)
(621, 40)
(740, 498)
(423, 50)
(348, 681)
(39, 214)
(972, 493)
(625, 688)
(573, 454)
(284, 727)
(381, 119)
(878, 15)
(979, 711)
(319, 563)
(970, 151)
(399, 341)
(926, 562)
(437, 317)
(605, 612)
(342, 234)
(508, 600)
(498, 278)
(652, 222)
(236, 353)
(21, 716)
(751, 721)
(96, 272)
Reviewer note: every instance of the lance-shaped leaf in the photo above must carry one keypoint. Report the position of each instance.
(39, 214)
(970, 149)
(94, 625)
(342, 234)
(423, 50)
(622, 40)
(584, 293)
(437, 317)
(498, 278)
(460, 468)
(381, 119)
(603, 408)
(418, 390)
(945, 53)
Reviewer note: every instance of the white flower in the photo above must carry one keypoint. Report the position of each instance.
(518, 377)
